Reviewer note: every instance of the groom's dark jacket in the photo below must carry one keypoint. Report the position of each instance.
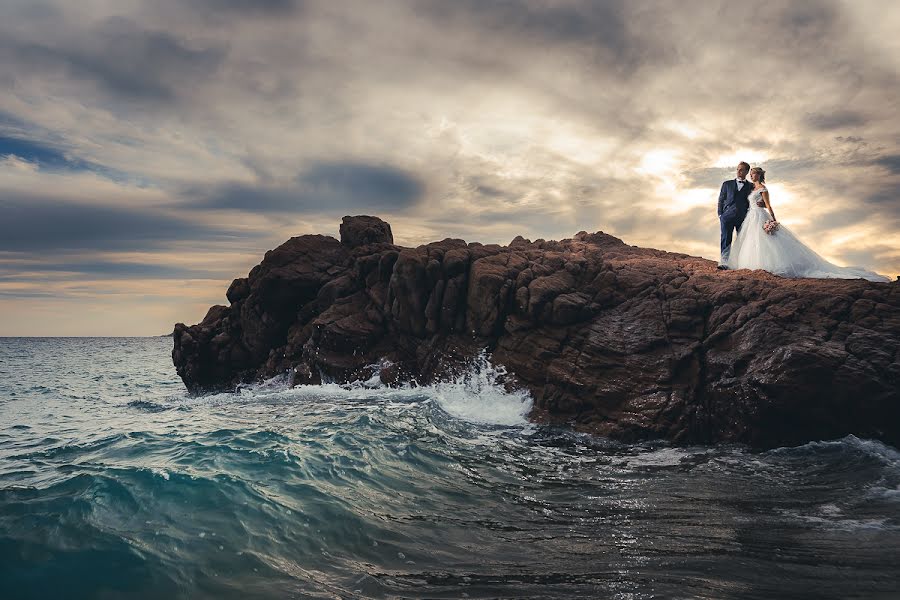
(732, 198)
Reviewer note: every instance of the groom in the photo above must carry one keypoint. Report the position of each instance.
(733, 207)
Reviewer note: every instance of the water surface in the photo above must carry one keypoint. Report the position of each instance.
(114, 483)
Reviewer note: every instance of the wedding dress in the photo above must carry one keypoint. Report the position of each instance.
(782, 253)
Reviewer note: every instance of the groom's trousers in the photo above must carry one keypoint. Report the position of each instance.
(729, 220)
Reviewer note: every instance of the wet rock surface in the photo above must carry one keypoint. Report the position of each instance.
(631, 343)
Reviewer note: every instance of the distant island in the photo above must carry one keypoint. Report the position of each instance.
(627, 342)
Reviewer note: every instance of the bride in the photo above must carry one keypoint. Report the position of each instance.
(764, 243)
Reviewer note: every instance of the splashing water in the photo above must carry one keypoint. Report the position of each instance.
(478, 395)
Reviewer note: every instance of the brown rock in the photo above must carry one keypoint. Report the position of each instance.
(363, 230)
(628, 342)
(238, 290)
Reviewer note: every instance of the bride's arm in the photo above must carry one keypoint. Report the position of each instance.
(765, 197)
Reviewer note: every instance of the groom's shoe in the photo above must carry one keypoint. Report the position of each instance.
(722, 268)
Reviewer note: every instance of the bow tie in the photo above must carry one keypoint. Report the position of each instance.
(742, 181)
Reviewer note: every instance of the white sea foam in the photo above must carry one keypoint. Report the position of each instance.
(159, 472)
(477, 395)
(833, 520)
(891, 494)
(661, 457)
(878, 450)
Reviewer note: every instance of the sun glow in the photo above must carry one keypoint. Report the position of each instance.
(684, 200)
(658, 163)
(754, 157)
(682, 129)
(582, 150)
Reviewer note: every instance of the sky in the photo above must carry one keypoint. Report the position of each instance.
(152, 151)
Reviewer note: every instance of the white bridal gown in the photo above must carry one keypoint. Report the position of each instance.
(782, 253)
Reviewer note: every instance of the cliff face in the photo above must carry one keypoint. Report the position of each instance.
(628, 342)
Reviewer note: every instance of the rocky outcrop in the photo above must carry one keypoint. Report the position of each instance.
(627, 342)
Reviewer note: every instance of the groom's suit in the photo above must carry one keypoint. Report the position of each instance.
(733, 206)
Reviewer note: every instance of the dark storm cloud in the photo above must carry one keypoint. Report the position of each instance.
(807, 21)
(40, 225)
(601, 29)
(799, 28)
(490, 191)
(594, 22)
(891, 163)
(840, 119)
(279, 8)
(355, 181)
(324, 187)
(888, 197)
(118, 55)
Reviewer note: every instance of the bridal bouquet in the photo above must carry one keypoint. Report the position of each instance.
(770, 227)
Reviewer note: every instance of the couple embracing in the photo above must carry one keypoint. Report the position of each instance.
(751, 238)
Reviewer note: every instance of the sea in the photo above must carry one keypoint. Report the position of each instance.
(116, 483)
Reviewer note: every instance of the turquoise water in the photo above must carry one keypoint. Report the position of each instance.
(114, 483)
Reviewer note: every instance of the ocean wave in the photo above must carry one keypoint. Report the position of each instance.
(363, 490)
(476, 395)
(147, 406)
(851, 448)
(830, 517)
(70, 448)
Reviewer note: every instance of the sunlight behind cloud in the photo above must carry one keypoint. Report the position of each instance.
(586, 150)
(658, 163)
(683, 129)
(783, 194)
(685, 200)
(731, 160)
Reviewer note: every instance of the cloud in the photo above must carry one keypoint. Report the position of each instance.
(17, 271)
(124, 59)
(40, 225)
(363, 183)
(885, 198)
(26, 295)
(890, 162)
(324, 187)
(233, 124)
(869, 255)
(603, 27)
(710, 177)
(276, 8)
(840, 119)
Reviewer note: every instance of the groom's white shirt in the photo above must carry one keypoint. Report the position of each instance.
(740, 183)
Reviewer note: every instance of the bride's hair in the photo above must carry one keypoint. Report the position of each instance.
(762, 174)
